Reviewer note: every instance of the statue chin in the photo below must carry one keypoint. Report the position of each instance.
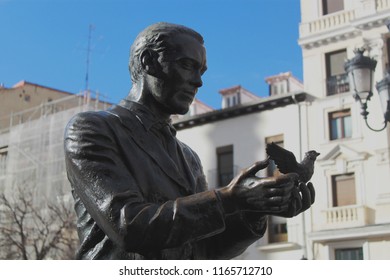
(178, 110)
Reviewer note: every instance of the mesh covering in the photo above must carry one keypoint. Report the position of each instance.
(32, 154)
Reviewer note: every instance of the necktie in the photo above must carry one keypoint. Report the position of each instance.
(169, 140)
(168, 132)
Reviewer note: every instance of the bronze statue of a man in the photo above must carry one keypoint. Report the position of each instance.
(139, 192)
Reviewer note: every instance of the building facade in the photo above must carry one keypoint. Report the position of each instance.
(350, 219)
(233, 137)
(32, 123)
(351, 215)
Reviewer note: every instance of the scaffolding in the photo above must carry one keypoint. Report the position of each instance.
(31, 148)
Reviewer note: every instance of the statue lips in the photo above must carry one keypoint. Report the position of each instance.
(189, 94)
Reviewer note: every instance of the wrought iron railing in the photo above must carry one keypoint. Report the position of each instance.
(337, 84)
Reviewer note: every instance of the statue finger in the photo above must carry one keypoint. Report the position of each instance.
(296, 197)
(312, 192)
(278, 210)
(287, 178)
(256, 167)
(306, 196)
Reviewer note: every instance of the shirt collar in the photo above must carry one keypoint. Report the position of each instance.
(143, 114)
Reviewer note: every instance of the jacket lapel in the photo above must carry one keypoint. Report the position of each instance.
(150, 145)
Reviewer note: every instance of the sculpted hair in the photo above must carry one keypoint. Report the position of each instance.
(154, 38)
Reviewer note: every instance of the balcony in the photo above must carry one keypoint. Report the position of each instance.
(337, 84)
(382, 4)
(326, 23)
(348, 216)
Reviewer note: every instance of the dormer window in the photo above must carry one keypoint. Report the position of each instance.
(232, 100)
(283, 83)
(235, 96)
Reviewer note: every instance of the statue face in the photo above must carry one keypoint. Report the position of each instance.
(180, 74)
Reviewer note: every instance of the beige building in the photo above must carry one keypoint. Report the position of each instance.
(32, 123)
(27, 101)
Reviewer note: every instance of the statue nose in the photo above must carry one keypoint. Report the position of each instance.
(197, 80)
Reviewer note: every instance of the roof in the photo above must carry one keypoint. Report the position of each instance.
(26, 83)
(230, 90)
(240, 110)
(281, 77)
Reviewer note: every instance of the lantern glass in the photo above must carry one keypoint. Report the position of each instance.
(383, 88)
(361, 82)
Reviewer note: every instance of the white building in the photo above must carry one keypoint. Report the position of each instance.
(351, 216)
(234, 137)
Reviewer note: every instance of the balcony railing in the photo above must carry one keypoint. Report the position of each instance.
(382, 4)
(337, 84)
(326, 23)
(348, 216)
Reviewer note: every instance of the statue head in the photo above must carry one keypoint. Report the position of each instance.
(166, 64)
(155, 37)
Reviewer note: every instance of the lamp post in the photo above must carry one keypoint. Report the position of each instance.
(360, 71)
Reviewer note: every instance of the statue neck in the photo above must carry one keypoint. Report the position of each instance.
(141, 94)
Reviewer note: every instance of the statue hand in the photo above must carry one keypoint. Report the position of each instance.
(301, 198)
(246, 192)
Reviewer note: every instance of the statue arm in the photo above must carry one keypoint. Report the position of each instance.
(113, 199)
(240, 231)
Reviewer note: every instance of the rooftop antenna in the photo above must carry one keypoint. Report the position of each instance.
(91, 28)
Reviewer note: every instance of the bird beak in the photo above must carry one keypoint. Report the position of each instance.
(317, 154)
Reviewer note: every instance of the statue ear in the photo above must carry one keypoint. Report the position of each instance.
(149, 62)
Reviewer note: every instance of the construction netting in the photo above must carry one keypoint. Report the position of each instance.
(32, 151)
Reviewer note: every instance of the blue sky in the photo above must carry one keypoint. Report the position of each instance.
(45, 41)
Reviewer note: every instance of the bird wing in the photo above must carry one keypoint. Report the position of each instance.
(284, 159)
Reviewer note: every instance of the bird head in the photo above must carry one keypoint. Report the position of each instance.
(312, 155)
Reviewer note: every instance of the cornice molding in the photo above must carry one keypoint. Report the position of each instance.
(351, 29)
(264, 104)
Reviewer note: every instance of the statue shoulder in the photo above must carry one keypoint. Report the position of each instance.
(89, 121)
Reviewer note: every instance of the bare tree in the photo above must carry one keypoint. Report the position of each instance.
(29, 230)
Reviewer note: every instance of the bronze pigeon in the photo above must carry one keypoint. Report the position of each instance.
(287, 163)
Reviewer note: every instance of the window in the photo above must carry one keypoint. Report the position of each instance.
(349, 254)
(388, 52)
(227, 102)
(274, 89)
(279, 87)
(340, 124)
(277, 229)
(277, 226)
(3, 159)
(332, 6)
(278, 140)
(282, 88)
(343, 190)
(231, 100)
(234, 102)
(336, 78)
(225, 165)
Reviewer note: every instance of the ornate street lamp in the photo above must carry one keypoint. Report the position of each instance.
(360, 70)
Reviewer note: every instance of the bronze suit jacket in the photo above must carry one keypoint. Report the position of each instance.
(133, 203)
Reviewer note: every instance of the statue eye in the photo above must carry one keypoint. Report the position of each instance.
(186, 63)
